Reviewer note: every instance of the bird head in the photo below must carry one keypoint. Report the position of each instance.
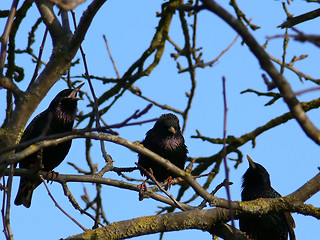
(256, 175)
(66, 95)
(252, 164)
(168, 124)
(65, 103)
(73, 93)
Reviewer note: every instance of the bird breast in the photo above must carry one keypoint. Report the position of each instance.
(65, 116)
(171, 143)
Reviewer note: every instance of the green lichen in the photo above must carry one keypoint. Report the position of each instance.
(185, 173)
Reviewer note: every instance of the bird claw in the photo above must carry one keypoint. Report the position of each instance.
(169, 183)
(54, 175)
(248, 236)
(143, 189)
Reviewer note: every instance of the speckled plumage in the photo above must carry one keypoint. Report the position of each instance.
(166, 140)
(57, 118)
(275, 226)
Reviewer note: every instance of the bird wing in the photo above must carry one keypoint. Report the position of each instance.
(289, 220)
(36, 127)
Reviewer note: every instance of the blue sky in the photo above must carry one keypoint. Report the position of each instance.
(289, 156)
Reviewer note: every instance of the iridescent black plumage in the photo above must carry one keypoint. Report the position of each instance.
(57, 118)
(275, 226)
(166, 140)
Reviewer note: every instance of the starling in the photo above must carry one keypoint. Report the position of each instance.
(166, 140)
(275, 226)
(57, 118)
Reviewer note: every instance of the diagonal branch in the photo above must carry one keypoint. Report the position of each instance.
(55, 29)
(284, 87)
(188, 54)
(59, 63)
(58, 206)
(5, 35)
(156, 46)
(291, 21)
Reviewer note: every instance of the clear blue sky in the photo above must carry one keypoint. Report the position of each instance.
(289, 156)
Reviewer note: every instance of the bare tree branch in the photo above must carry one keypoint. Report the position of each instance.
(282, 84)
(291, 21)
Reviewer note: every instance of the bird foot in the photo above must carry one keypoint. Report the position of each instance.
(143, 189)
(169, 183)
(247, 235)
(54, 175)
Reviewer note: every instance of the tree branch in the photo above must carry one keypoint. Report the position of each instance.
(291, 21)
(282, 84)
(203, 220)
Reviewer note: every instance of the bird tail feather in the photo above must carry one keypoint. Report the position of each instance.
(292, 234)
(291, 225)
(24, 194)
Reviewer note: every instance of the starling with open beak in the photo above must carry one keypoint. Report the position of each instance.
(57, 118)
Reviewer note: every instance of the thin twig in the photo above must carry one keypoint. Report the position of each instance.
(137, 114)
(58, 206)
(307, 90)
(119, 171)
(111, 58)
(96, 107)
(3, 207)
(74, 203)
(202, 64)
(35, 74)
(194, 27)
(99, 206)
(225, 153)
(77, 168)
(5, 35)
(289, 66)
(192, 73)
(180, 179)
(8, 203)
(218, 187)
(162, 106)
(120, 125)
(241, 16)
(285, 46)
(151, 176)
(223, 52)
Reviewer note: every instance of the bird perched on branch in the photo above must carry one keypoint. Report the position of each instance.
(57, 118)
(166, 140)
(275, 226)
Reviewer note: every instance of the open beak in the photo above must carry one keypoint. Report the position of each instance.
(251, 162)
(74, 92)
(171, 129)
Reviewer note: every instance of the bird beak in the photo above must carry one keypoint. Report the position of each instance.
(251, 163)
(74, 92)
(171, 129)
